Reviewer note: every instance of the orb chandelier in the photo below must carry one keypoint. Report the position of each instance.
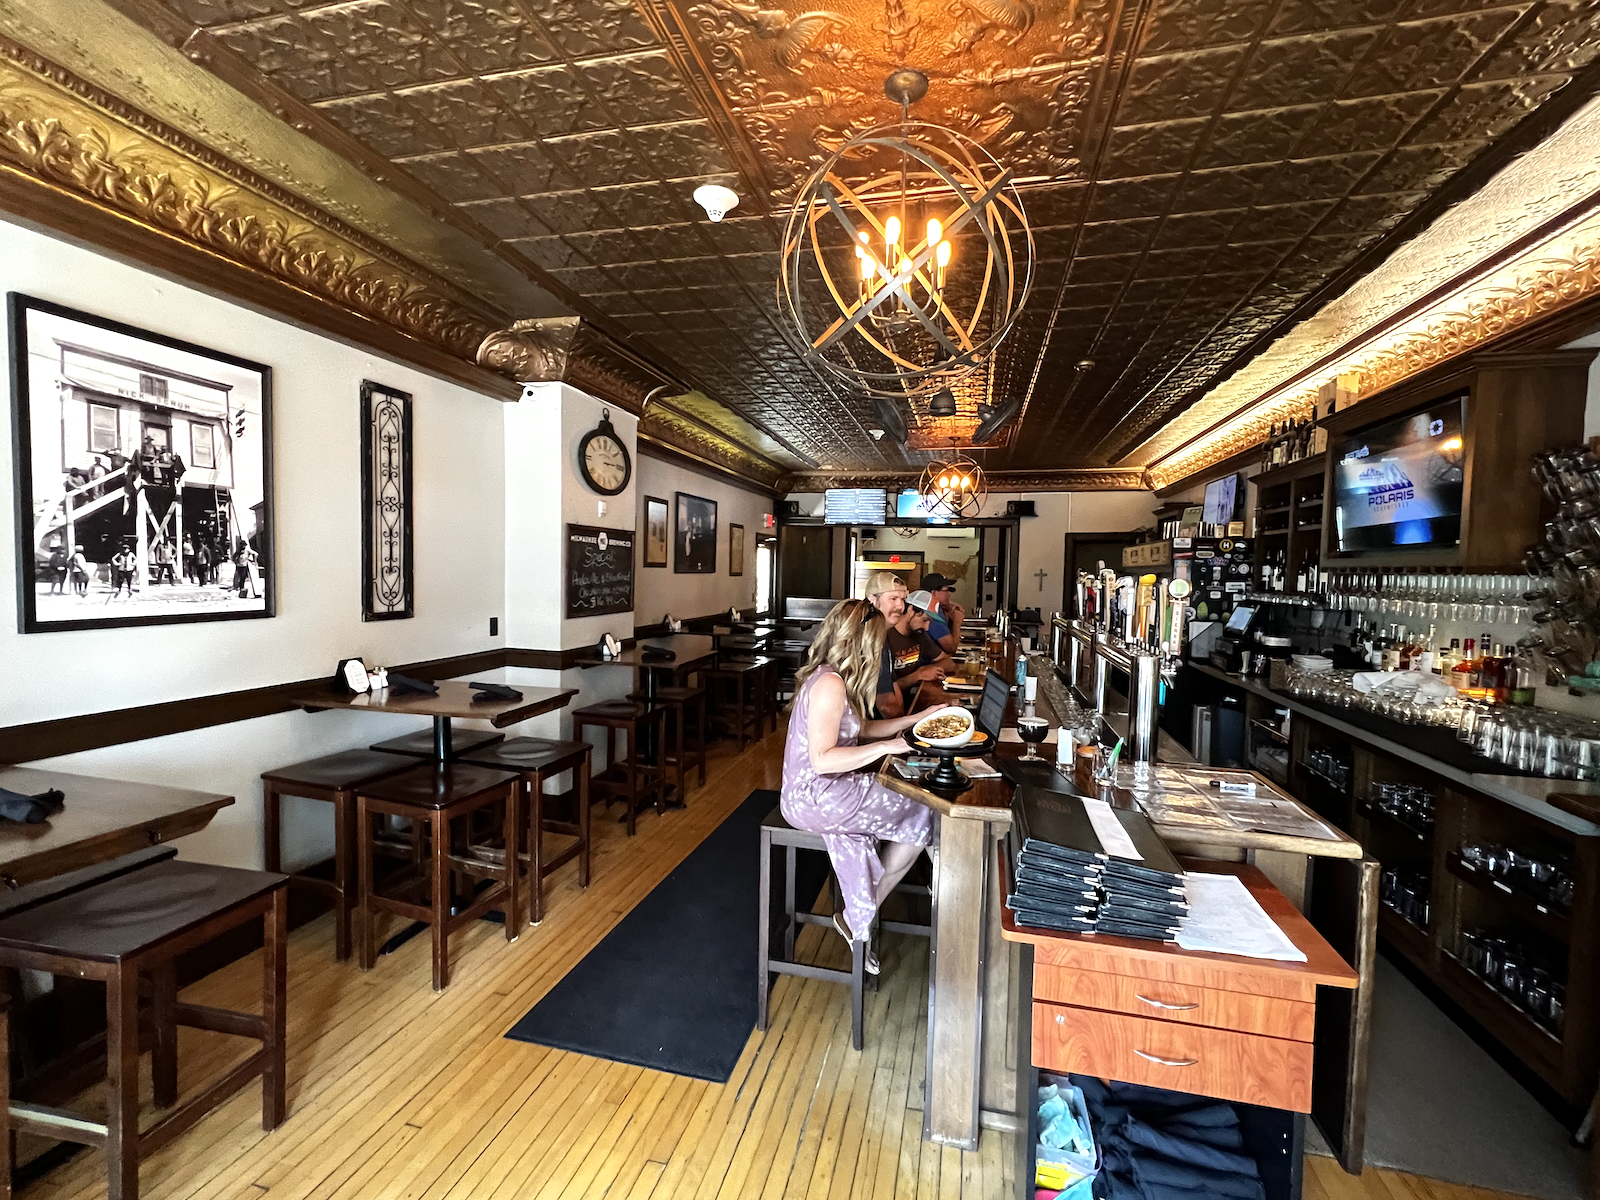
(956, 485)
(907, 256)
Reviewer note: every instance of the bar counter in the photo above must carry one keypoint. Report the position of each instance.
(976, 1000)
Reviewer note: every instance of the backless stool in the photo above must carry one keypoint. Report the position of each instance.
(114, 922)
(679, 702)
(635, 778)
(431, 798)
(536, 760)
(775, 831)
(334, 778)
(747, 680)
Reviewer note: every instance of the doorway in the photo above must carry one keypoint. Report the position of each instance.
(1082, 552)
(805, 561)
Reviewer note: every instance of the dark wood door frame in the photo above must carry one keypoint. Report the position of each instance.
(1069, 551)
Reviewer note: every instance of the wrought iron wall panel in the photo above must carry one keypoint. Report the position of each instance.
(386, 562)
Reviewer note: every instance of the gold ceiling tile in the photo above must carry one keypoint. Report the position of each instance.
(51, 132)
(484, 35)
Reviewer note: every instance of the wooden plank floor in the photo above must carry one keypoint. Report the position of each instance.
(399, 1094)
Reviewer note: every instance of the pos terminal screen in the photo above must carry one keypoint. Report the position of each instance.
(1240, 619)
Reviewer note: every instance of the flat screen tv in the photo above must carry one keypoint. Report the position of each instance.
(913, 505)
(855, 506)
(1225, 500)
(1399, 483)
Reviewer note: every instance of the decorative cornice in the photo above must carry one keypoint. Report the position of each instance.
(62, 131)
(1108, 479)
(1560, 273)
(671, 428)
(532, 351)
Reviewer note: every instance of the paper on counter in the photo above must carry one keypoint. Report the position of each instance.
(1010, 734)
(1114, 839)
(977, 768)
(1224, 918)
(1265, 814)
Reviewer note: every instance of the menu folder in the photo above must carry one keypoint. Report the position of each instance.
(408, 683)
(1053, 822)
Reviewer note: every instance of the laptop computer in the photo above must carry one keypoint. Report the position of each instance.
(992, 705)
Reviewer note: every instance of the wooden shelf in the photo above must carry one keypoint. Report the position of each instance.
(1373, 813)
(1266, 533)
(1490, 999)
(1412, 942)
(1551, 920)
(1317, 528)
(1298, 469)
(1276, 734)
(1273, 510)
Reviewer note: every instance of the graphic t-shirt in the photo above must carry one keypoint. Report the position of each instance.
(908, 651)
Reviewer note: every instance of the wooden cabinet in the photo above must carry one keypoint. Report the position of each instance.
(1290, 503)
(1517, 404)
(1243, 1067)
(1185, 1003)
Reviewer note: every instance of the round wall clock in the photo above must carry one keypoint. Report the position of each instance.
(603, 459)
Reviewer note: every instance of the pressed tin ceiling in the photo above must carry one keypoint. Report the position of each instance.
(1197, 170)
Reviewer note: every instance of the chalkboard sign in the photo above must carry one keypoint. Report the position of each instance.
(599, 571)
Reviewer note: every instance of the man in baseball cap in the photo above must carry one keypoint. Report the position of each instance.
(945, 614)
(910, 658)
(886, 592)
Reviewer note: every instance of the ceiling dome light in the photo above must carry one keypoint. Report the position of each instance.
(716, 199)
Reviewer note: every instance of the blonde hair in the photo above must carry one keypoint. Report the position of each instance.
(851, 642)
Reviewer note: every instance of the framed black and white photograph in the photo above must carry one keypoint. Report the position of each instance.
(143, 475)
(735, 549)
(386, 586)
(695, 540)
(655, 532)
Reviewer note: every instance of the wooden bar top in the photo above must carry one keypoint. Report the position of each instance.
(1169, 961)
(455, 699)
(102, 819)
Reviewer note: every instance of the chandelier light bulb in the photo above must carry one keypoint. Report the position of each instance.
(891, 231)
(935, 231)
(943, 254)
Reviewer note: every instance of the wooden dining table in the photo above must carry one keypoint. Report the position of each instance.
(454, 700)
(101, 819)
(688, 650)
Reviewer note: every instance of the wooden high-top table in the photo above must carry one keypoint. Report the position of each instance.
(102, 819)
(455, 699)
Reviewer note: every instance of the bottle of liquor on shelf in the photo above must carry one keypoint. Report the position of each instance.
(1461, 675)
(1269, 447)
(1522, 689)
(1300, 579)
(1442, 661)
(1266, 572)
(1505, 675)
(1277, 572)
(1319, 435)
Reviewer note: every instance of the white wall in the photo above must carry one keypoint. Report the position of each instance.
(661, 590)
(459, 546)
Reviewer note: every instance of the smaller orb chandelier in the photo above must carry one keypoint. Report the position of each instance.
(907, 256)
(956, 486)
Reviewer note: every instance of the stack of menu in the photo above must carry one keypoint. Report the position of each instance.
(1081, 866)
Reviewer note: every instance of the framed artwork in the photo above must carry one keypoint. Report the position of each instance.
(386, 591)
(696, 535)
(143, 475)
(735, 549)
(655, 532)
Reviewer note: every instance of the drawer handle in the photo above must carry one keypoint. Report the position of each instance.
(1168, 1062)
(1164, 1004)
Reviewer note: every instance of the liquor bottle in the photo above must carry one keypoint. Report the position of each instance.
(1294, 442)
(1277, 572)
(1442, 662)
(1266, 572)
(1267, 447)
(1505, 675)
(1461, 674)
(1522, 690)
(1300, 580)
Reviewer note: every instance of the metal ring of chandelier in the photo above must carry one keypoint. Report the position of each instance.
(958, 486)
(899, 320)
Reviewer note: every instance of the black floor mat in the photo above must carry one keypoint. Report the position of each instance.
(673, 987)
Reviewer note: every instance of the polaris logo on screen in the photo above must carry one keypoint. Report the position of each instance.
(1387, 485)
(1356, 455)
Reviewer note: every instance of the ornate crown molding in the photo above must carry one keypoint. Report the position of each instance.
(1559, 273)
(531, 351)
(1108, 479)
(61, 131)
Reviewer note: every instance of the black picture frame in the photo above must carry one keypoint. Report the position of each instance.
(735, 549)
(694, 535)
(654, 506)
(387, 591)
(215, 547)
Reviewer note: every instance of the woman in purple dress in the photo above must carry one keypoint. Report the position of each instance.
(825, 786)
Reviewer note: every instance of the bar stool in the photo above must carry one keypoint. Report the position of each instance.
(632, 779)
(678, 701)
(747, 678)
(775, 831)
(112, 923)
(420, 743)
(536, 760)
(335, 778)
(431, 797)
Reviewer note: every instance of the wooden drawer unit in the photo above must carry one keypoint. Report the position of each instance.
(1186, 1003)
(1245, 1067)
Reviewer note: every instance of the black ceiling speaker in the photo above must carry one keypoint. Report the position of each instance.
(992, 418)
(890, 417)
(788, 508)
(943, 403)
(1020, 508)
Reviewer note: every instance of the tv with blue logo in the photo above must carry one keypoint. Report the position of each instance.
(1398, 484)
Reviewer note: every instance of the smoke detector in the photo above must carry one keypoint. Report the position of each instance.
(877, 434)
(715, 199)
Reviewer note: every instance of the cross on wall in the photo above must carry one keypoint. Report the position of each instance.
(1040, 575)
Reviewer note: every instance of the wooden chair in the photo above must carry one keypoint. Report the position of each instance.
(639, 776)
(420, 743)
(679, 701)
(432, 798)
(114, 922)
(334, 778)
(746, 680)
(536, 760)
